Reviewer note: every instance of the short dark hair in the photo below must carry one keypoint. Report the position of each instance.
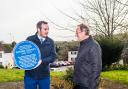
(85, 28)
(40, 23)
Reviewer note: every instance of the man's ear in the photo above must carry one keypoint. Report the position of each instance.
(38, 30)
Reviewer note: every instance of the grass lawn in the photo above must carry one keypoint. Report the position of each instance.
(116, 75)
(57, 74)
(7, 75)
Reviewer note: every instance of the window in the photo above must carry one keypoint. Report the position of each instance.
(72, 59)
(74, 52)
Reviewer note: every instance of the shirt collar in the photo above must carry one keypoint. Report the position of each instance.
(40, 37)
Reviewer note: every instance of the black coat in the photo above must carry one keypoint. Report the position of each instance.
(48, 55)
(88, 64)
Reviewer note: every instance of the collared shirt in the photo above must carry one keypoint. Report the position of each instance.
(41, 38)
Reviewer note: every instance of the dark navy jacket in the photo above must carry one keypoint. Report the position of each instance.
(48, 55)
(88, 64)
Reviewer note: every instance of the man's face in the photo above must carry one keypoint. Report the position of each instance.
(44, 30)
(80, 34)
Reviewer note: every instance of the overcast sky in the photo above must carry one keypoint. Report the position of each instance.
(18, 18)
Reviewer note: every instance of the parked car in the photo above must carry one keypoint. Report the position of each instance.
(60, 63)
(55, 69)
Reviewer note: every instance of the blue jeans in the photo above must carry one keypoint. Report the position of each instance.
(30, 83)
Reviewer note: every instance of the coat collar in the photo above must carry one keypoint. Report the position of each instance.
(86, 41)
(46, 41)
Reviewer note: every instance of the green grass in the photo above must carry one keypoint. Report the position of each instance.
(57, 74)
(7, 75)
(116, 75)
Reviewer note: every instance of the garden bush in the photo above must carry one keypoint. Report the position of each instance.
(1, 66)
(111, 51)
(69, 75)
(117, 66)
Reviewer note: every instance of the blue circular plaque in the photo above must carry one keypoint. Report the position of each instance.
(26, 55)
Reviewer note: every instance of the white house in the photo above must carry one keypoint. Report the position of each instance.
(1, 57)
(72, 55)
(6, 59)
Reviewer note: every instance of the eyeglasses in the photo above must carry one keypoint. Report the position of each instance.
(45, 29)
(78, 32)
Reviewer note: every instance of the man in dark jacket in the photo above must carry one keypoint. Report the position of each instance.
(88, 63)
(40, 76)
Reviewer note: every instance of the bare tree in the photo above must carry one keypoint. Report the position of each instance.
(1, 45)
(106, 16)
(122, 2)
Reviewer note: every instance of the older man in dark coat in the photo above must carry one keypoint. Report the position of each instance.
(88, 63)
